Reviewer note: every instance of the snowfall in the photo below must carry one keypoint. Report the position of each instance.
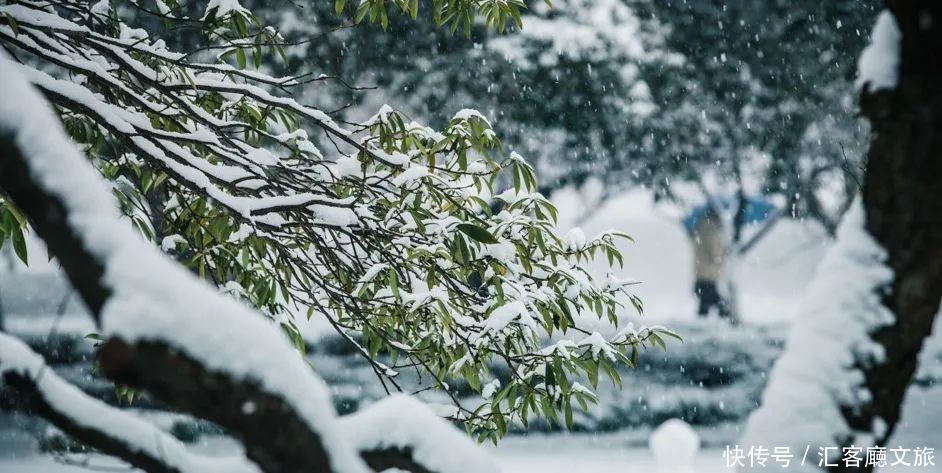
(622, 434)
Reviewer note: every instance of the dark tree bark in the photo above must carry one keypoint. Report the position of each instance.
(32, 400)
(47, 215)
(902, 196)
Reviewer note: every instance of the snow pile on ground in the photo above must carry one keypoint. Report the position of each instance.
(675, 445)
(817, 376)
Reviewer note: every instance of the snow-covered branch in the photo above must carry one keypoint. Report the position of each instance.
(110, 430)
(384, 229)
(166, 332)
(402, 432)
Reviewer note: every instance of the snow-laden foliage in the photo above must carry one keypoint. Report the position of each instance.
(176, 336)
(398, 235)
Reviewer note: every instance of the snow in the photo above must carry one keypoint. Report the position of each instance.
(490, 389)
(347, 166)
(381, 116)
(373, 271)
(401, 421)
(598, 346)
(601, 453)
(85, 411)
(816, 377)
(43, 19)
(170, 242)
(878, 68)
(575, 239)
(607, 453)
(501, 317)
(154, 299)
(101, 8)
(469, 113)
(675, 445)
(661, 259)
(412, 173)
(224, 8)
(163, 8)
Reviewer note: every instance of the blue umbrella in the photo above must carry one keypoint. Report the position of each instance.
(757, 210)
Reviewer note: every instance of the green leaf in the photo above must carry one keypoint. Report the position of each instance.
(592, 369)
(240, 57)
(19, 245)
(568, 412)
(477, 233)
(16, 213)
(394, 283)
(13, 25)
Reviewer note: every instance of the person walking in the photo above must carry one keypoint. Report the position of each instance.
(710, 248)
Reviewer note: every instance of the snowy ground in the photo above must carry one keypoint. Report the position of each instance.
(619, 453)
(518, 459)
(583, 453)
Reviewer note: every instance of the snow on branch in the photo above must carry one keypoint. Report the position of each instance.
(108, 429)
(167, 332)
(878, 68)
(400, 427)
(218, 165)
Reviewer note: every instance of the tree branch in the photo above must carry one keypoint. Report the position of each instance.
(48, 217)
(167, 333)
(38, 390)
(274, 434)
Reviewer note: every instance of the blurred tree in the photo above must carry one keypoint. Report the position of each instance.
(763, 96)
(634, 92)
(569, 85)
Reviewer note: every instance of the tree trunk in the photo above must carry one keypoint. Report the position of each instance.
(902, 195)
